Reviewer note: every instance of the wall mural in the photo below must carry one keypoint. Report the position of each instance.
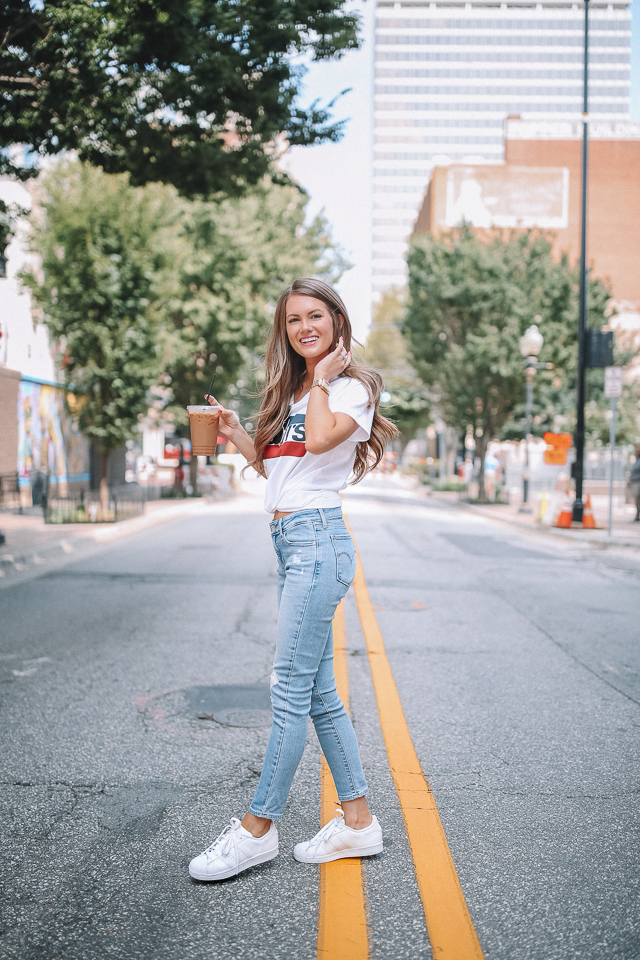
(48, 440)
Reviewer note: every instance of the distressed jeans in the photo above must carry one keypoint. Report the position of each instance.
(316, 565)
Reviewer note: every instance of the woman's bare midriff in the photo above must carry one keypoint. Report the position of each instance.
(281, 513)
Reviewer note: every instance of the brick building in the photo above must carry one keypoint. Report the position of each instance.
(540, 185)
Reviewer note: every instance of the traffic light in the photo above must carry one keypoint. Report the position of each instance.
(599, 348)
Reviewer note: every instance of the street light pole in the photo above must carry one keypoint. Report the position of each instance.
(578, 504)
(529, 371)
(530, 347)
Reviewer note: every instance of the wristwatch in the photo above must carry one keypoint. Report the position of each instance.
(323, 384)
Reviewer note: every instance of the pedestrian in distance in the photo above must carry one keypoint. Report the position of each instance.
(318, 424)
(634, 483)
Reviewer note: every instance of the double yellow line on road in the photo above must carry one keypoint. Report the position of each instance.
(342, 927)
(342, 918)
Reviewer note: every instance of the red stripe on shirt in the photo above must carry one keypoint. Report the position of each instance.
(292, 448)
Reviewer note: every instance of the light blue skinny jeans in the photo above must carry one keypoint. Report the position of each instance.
(316, 565)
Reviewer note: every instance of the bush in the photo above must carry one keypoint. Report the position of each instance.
(451, 485)
(177, 493)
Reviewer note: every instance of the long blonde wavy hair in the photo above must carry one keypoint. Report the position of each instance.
(285, 371)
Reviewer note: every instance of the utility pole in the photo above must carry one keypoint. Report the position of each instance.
(578, 504)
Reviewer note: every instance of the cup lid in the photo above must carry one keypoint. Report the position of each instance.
(204, 408)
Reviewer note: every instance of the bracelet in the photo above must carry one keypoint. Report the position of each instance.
(323, 384)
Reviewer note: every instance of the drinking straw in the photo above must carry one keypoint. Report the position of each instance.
(213, 380)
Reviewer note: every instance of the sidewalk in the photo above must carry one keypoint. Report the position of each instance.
(30, 543)
(625, 532)
(29, 540)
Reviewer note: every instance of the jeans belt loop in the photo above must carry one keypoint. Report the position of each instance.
(323, 518)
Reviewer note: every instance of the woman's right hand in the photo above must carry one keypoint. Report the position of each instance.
(229, 419)
(229, 426)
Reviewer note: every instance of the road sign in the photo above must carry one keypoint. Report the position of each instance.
(557, 447)
(612, 381)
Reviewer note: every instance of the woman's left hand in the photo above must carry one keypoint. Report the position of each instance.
(334, 363)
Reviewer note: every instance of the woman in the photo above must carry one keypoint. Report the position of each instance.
(318, 423)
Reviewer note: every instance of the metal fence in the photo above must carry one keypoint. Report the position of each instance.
(597, 463)
(86, 508)
(9, 491)
(83, 506)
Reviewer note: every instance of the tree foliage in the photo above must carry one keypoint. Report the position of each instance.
(471, 299)
(409, 405)
(242, 254)
(145, 293)
(188, 92)
(107, 253)
(10, 213)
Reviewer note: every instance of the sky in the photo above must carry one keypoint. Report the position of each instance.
(338, 176)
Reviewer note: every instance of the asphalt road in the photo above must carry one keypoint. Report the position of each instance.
(134, 717)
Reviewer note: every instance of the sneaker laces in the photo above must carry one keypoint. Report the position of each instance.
(226, 842)
(334, 825)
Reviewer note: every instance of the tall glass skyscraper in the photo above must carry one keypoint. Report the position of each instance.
(448, 74)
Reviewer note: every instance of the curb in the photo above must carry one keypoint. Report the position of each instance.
(572, 536)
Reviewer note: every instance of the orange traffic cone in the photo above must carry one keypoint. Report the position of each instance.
(588, 519)
(566, 513)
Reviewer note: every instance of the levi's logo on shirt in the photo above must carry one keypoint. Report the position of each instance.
(290, 441)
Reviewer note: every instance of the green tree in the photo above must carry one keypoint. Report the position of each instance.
(471, 300)
(146, 294)
(242, 253)
(108, 255)
(191, 93)
(409, 405)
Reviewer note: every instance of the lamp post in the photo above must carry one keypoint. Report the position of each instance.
(530, 347)
(578, 505)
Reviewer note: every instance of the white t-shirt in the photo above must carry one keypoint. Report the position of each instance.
(297, 479)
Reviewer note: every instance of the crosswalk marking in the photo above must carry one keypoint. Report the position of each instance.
(342, 920)
(449, 923)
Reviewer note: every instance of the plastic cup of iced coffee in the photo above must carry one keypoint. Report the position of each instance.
(204, 422)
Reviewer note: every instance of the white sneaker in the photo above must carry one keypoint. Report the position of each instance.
(336, 840)
(235, 850)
